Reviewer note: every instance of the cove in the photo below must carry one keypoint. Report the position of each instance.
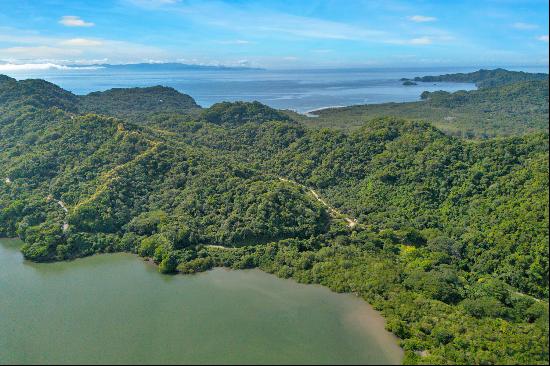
(115, 308)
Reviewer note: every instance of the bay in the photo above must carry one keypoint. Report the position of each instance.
(115, 308)
(298, 90)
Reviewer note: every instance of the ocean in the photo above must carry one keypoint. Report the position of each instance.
(298, 90)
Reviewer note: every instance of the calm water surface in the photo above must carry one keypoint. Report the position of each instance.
(299, 90)
(117, 309)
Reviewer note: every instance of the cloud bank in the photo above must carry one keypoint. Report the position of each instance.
(44, 66)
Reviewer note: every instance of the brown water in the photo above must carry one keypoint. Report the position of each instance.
(117, 309)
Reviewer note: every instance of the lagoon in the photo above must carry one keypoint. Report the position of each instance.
(115, 308)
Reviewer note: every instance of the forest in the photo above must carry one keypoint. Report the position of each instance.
(486, 78)
(509, 110)
(446, 236)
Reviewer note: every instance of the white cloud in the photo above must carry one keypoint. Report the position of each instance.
(253, 21)
(67, 51)
(257, 22)
(420, 41)
(543, 38)
(524, 26)
(81, 42)
(74, 21)
(42, 66)
(422, 18)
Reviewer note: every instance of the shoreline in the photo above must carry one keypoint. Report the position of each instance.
(311, 113)
(360, 319)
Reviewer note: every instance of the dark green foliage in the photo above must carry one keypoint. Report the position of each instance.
(168, 263)
(451, 243)
(486, 306)
(442, 284)
(35, 93)
(241, 112)
(196, 265)
(486, 78)
(132, 104)
(136, 104)
(530, 93)
(538, 311)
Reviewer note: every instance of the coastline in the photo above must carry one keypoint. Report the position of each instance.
(311, 113)
(362, 318)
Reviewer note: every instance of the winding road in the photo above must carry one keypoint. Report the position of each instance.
(351, 222)
(64, 208)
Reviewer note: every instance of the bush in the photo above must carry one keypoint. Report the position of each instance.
(484, 307)
(168, 264)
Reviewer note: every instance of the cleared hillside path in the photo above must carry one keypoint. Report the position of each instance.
(351, 222)
(64, 208)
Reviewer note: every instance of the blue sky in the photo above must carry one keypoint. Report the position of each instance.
(276, 34)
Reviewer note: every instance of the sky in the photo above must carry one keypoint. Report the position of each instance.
(275, 33)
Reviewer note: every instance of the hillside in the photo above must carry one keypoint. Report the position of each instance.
(132, 104)
(508, 110)
(135, 103)
(486, 78)
(238, 113)
(450, 236)
(34, 93)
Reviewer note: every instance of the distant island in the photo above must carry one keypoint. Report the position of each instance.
(486, 78)
(409, 83)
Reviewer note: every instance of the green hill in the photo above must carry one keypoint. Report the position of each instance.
(486, 78)
(447, 237)
(241, 112)
(132, 104)
(135, 103)
(35, 93)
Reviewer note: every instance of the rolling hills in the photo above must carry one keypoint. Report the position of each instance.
(451, 240)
